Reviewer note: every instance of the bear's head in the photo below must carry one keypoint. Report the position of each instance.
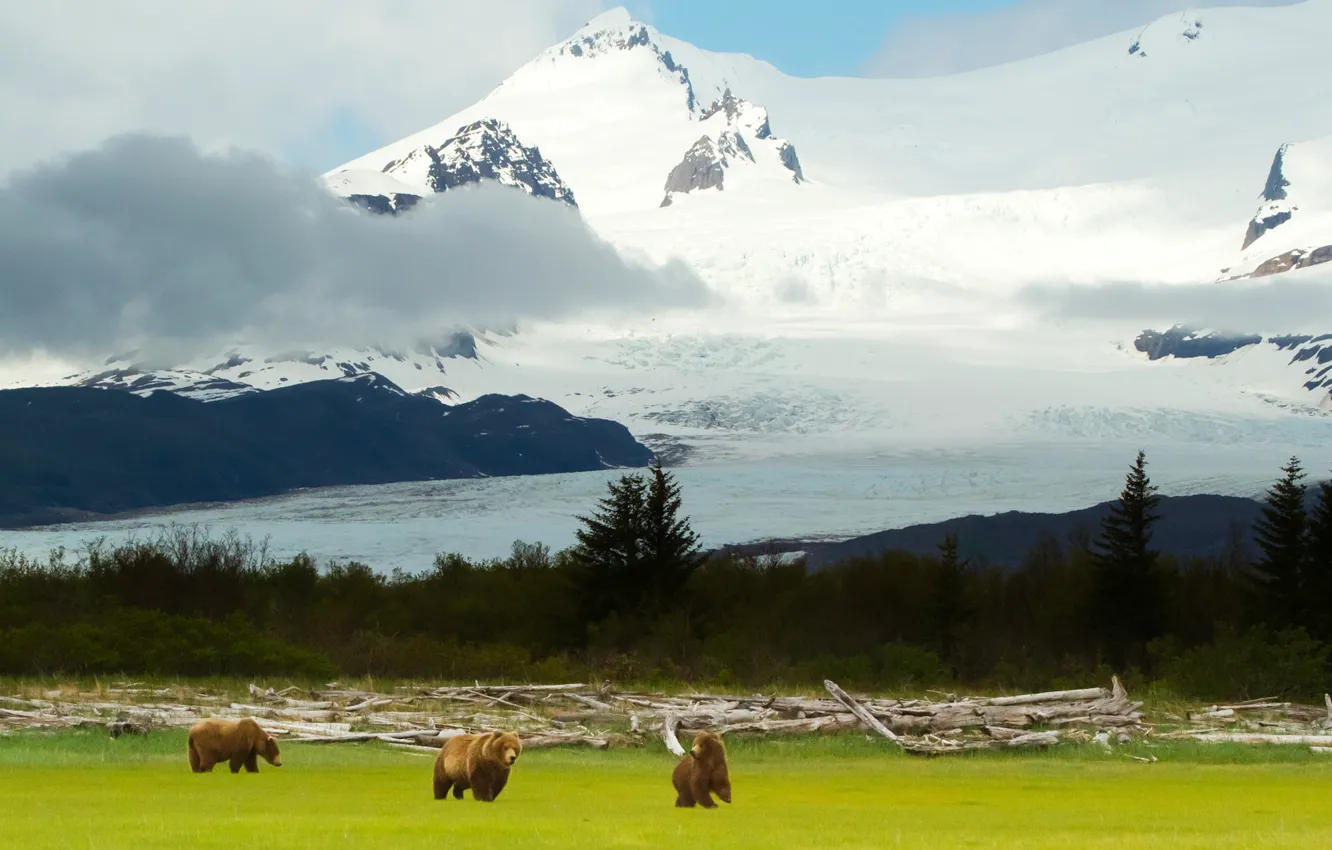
(269, 751)
(708, 748)
(504, 748)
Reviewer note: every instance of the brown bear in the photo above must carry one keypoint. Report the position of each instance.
(479, 762)
(702, 773)
(239, 742)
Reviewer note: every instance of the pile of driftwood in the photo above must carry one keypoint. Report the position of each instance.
(550, 715)
(1261, 721)
(423, 718)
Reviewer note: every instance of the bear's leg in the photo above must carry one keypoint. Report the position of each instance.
(698, 789)
(252, 762)
(196, 764)
(458, 790)
(499, 786)
(237, 762)
(724, 792)
(442, 784)
(482, 790)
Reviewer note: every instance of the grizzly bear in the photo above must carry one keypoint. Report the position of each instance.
(239, 742)
(479, 762)
(702, 773)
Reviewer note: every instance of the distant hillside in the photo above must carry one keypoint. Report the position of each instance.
(68, 452)
(1189, 526)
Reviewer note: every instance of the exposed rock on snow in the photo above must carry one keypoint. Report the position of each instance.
(727, 122)
(615, 31)
(483, 150)
(1276, 210)
(1185, 342)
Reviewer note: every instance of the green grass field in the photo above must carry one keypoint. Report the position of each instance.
(85, 790)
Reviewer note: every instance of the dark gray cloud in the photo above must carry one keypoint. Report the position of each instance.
(147, 242)
(1287, 303)
(935, 45)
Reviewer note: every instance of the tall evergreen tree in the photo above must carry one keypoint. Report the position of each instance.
(1126, 595)
(670, 546)
(1283, 538)
(950, 604)
(637, 550)
(1319, 575)
(611, 548)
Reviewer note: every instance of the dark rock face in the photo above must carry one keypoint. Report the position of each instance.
(1183, 343)
(70, 451)
(483, 150)
(787, 152)
(385, 204)
(1275, 188)
(705, 163)
(1274, 211)
(703, 167)
(1299, 258)
(489, 150)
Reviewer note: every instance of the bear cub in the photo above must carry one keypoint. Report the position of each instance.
(702, 773)
(237, 742)
(479, 762)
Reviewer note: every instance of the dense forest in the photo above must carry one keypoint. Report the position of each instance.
(635, 600)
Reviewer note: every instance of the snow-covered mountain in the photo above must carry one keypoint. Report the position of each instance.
(867, 277)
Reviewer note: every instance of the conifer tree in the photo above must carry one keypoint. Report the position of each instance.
(637, 550)
(670, 546)
(1126, 591)
(610, 548)
(1319, 575)
(950, 608)
(1283, 539)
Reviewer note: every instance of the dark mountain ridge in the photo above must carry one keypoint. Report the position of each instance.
(73, 452)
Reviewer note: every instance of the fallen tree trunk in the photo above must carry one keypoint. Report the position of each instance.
(855, 708)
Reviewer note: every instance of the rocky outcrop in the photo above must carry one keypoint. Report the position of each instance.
(736, 131)
(1184, 343)
(483, 150)
(1276, 208)
(385, 204)
(1298, 258)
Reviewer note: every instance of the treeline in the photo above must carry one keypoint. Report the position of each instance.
(635, 601)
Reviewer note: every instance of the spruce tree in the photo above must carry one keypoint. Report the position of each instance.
(1283, 538)
(1126, 592)
(611, 548)
(670, 546)
(950, 608)
(1319, 564)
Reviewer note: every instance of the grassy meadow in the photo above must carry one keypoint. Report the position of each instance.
(83, 789)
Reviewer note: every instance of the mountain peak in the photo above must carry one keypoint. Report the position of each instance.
(611, 19)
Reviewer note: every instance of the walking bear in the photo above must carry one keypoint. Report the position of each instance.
(702, 773)
(479, 762)
(238, 742)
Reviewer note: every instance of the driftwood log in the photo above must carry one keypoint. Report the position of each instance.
(420, 719)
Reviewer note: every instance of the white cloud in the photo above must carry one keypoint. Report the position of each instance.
(1293, 302)
(146, 243)
(947, 44)
(312, 80)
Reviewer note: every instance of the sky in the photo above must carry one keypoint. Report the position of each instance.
(803, 38)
